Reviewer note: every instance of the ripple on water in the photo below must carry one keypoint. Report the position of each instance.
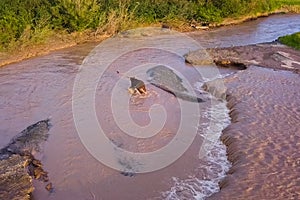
(48, 81)
(213, 160)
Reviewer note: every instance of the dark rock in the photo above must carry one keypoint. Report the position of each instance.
(129, 174)
(165, 26)
(166, 79)
(230, 64)
(18, 165)
(28, 141)
(49, 187)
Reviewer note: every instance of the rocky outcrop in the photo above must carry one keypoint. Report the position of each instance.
(18, 165)
(15, 182)
(269, 55)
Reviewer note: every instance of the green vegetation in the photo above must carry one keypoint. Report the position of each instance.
(291, 40)
(289, 5)
(288, 2)
(33, 21)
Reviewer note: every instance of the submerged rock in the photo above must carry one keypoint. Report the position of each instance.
(167, 80)
(49, 187)
(129, 174)
(18, 165)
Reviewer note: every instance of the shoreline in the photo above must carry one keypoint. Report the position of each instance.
(242, 19)
(66, 41)
(44, 49)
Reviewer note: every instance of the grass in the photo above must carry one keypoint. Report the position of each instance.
(287, 2)
(291, 40)
(29, 23)
(288, 5)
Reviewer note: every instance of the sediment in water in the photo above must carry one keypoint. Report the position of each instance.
(264, 135)
(263, 138)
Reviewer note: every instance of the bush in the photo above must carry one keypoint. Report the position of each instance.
(18, 16)
(291, 40)
(75, 15)
(30, 19)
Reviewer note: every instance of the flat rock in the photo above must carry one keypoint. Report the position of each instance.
(167, 80)
(199, 57)
(269, 55)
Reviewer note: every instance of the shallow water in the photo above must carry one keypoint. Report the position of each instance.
(263, 140)
(41, 88)
(265, 29)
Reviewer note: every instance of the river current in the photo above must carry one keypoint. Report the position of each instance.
(43, 87)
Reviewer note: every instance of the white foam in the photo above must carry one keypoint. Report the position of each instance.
(212, 156)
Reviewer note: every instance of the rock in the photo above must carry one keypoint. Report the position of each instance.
(36, 163)
(166, 79)
(28, 141)
(230, 64)
(166, 26)
(18, 165)
(49, 187)
(216, 88)
(129, 174)
(199, 27)
(269, 55)
(15, 182)
(199, 57)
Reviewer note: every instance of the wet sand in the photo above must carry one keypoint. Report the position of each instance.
(263, 140)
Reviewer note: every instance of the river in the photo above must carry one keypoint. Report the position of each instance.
(42, 87)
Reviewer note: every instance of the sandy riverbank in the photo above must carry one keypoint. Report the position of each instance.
(52, 44)
(61, 41)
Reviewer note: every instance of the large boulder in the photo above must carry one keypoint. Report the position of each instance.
(167, 80)
(18, 165)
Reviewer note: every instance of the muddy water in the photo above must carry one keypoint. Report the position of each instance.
(263, 140)
(41, 88)
(262, 30)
